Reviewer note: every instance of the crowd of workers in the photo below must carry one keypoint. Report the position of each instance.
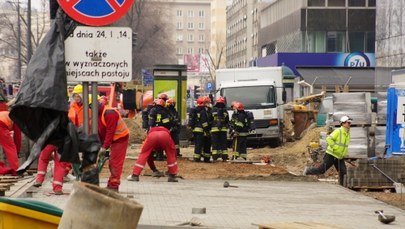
(209, 123)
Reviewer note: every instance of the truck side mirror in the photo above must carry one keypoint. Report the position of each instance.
(284, 96)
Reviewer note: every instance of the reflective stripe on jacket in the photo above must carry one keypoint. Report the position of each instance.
(121, 130)
(338, 143)
(4, 118)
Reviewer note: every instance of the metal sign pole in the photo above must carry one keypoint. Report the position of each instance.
(86, 107)
(94, 108)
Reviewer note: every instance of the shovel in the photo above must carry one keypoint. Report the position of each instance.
(399, 187)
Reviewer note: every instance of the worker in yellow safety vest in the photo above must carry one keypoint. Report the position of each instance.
(338, 145)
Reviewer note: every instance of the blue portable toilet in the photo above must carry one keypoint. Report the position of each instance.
(395, 132)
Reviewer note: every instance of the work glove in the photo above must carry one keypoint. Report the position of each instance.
(102, 153)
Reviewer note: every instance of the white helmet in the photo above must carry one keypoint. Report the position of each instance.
(345, 119)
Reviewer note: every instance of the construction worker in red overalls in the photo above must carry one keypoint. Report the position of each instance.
(61, 169)
(114, 135)
(158, 138)
(11, 146)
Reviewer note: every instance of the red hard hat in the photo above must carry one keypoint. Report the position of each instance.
(160, 102)
(163, 96)
(220, 99)
(200, 101)
(171, 102)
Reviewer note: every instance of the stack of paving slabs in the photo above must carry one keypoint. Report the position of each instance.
(381, 108)
(365, 176)
(380, 124)
(358, 107)
(359, 143)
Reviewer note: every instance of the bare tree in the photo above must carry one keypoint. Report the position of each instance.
(217, 57)
(9, 30)
(148, 19)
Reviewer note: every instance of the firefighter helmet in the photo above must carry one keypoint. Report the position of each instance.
(160, 102)
(200, 101)
(207, 99)
(220, 99)
(171, 102)
(239, 106)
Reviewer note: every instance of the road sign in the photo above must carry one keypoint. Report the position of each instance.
(99, 54)
(95, 12)
(209, 86)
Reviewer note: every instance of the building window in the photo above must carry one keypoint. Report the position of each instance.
(316, 41)
(190, 25)
(316, 2)
(179, 13)
(200, 50)
(190, 13)
(201, 37)
(179, 50)
(332, 3)
(356, 41)
(190, 37)
(370, 42)
(371, 3)
(335, 42)
(201, 13)
(179, 25)
(179, 37)
(190, 51)
(357, 3)
(201, 26)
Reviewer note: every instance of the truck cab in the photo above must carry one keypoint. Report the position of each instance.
(263, 91)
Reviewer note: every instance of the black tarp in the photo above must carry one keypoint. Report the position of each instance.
(41, 105)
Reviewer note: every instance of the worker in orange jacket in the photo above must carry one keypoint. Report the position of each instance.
(11, 146)
(114, 135)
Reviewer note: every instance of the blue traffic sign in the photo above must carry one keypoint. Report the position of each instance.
(209, 86)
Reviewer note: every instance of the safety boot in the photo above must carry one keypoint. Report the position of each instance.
(172, 178)
(157, 173)
(133, 177)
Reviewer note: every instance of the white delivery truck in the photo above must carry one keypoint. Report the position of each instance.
(263, 91)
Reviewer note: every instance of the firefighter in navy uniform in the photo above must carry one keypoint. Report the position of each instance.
(241, 124)
(198, 122)
(207, 134)
(219, 128)
(159, 155)
(159, 116)
(175, 130)
(145, 116)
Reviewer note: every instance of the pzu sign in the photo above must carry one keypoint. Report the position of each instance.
(357, 60)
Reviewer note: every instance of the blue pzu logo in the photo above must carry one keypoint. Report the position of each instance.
(357, 59)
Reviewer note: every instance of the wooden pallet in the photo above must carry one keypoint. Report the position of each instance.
(298, 225)
(373, 188)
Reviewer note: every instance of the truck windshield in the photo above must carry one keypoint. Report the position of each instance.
(252, 97)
